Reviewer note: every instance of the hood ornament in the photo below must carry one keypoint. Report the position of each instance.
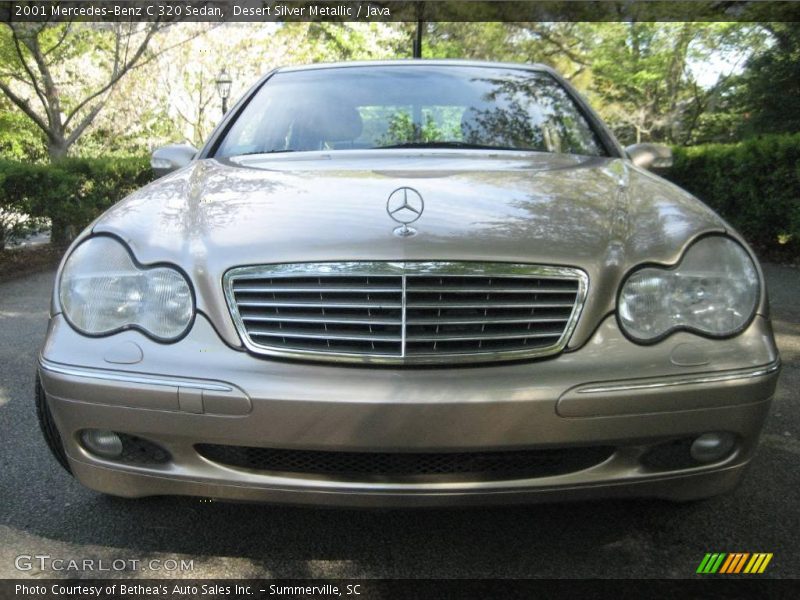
(405, 205)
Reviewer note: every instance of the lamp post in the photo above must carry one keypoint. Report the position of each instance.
(224, 88)
(417, 50)
(418, 40)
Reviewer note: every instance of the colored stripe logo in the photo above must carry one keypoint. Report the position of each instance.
(734, 563)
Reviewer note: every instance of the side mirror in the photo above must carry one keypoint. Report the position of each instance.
(171, 158)
(650, 156)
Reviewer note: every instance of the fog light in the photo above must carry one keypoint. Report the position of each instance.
(101, 442)
(711, 447)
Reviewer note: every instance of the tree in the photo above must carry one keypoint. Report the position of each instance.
(186, 83)
(770, 85)
(641, 76)
(639, 71)
(326, 41)
(563, 46)
(479, 41)
(645, 74)
(60, 74)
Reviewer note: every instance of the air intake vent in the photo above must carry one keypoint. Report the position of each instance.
(406, 466)
(406, 313)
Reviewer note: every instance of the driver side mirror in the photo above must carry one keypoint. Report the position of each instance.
(650, 156)
(171, 158)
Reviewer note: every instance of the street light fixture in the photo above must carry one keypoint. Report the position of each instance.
(224, 88)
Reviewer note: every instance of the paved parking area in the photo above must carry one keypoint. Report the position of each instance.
(43, 511)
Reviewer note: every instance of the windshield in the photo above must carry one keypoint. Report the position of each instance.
(411, 106)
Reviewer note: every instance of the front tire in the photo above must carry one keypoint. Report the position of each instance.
(48, 427)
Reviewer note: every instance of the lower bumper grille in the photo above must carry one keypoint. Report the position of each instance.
(140, 451)
(409, 466)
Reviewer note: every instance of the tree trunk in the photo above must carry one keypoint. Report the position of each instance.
(62, 231)
(57, 149)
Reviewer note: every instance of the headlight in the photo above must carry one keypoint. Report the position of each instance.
(714, 291)
(103, 290)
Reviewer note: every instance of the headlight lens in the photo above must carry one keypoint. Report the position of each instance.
(713, 290)
(102, 290)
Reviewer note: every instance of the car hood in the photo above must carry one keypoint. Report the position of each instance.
(599, 214)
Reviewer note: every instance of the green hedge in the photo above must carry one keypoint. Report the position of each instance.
(754, 185)
(70, 193)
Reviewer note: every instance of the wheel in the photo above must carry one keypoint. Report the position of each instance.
(48, 427)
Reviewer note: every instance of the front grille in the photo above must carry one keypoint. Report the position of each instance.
(407, 313)
(399, 466)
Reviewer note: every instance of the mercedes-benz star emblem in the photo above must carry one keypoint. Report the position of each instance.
(405, 206)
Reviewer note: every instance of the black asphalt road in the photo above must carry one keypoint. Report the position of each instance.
(44, 511)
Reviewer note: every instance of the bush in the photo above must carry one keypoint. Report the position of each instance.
(754, 185)
(70, 193)
(16, 209)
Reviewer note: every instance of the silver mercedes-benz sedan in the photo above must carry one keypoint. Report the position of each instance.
(407, 284)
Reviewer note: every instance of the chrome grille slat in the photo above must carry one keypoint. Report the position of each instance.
(484, 321)
(319, 303)
(310, 319)
(324, 336)
(313, 290)
(488, 336)
(483, 290)
(405, 312)
(487, 304)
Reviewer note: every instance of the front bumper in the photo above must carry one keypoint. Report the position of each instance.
(610, 392)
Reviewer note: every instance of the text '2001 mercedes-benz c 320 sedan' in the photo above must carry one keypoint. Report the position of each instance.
(408, 283)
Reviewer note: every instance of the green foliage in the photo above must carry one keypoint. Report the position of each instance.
(60, 75)
(646, 79)
(70, 193)
(720, 122)
(24, 188)
(15, 220)
(327, 41)
(643, 79)
(754, 185)
(770, 93)
(19, 138)
(480, 41)
(403, 130)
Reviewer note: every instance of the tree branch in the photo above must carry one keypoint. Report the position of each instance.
(15, 36)
(25, 107)
(166, 49)
(50, 91)
(115, 77)
(76, 133)
(67, 29)
(138, 64)
(570, 53)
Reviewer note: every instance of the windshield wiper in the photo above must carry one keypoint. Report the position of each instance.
(263, 152)
(453, 144)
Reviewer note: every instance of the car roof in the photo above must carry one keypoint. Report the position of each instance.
(416, 62)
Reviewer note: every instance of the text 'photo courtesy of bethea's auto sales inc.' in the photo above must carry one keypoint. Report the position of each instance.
(405, 284)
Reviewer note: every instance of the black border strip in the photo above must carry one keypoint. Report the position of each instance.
(399, 10)
(694, 586)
